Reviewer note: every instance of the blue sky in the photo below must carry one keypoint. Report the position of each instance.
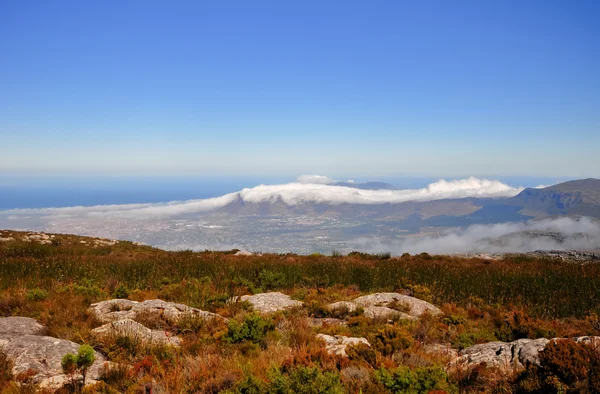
(278, 88)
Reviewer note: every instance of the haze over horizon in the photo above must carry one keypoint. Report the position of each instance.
(274, 89)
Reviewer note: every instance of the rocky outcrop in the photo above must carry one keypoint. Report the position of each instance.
(337, 344)
(386, 306)
(505, 355)
(119, 309)
(270, 302)
(342, 307)
(135, 331)
(41, 238)
(38, 355)
(16, 325)
(414, 306)
(383, 312)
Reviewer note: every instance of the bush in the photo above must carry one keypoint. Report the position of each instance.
(121, 291)
(253, 328)
(36, 294)
(391, 339)
(305, 380)
(413, 381)
(80, 362)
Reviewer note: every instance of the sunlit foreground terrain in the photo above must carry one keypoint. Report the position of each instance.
(212, 322)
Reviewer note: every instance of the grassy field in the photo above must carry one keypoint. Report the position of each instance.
(482, 300)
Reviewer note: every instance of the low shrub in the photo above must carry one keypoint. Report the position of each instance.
(36, 294)
(413, 381)
(253, 328)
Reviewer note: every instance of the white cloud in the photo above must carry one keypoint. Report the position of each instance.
(548, 234)
(291, 194)
(316, 179)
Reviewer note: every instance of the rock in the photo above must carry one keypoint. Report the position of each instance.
(6, 239)
(382, 312)
(441, 349)
(270, 302)
(119, 309)
(41, 238)
(416, 306)
(505, 355)
(16, 325)
(337, 344)
(43, 355)
(243, 253)
(342, 307)
(136, 331)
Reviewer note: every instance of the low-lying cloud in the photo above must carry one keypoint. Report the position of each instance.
(307, 189)
(547, 234)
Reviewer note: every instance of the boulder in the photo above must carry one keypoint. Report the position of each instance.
(119, 309)
(415, 306)
(270, 302)
(383, 312)
(16, 325)
(41, 356)
(505, 355)
(135, 331)
(337, 344)
(342, 306)
(243, 253)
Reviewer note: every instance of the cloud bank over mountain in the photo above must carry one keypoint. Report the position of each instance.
(307, 189)
(548, 234)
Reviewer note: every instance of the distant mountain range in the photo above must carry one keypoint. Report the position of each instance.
(573, 198)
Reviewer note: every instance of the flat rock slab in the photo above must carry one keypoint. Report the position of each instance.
(415, 306)
(21, 326)
(342, 306)
(120, 309)
(270, 302)
(135, 331)
(505, 355)
(383, 312)
(337, 344)
(43, 356)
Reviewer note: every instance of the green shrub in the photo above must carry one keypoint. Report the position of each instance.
(121, 291)
(305, 380)
(391, 339)
(78, 363)
(253, 328)
(413, 381)
(36, 294)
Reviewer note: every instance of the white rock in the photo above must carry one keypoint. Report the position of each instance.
(16, 325)
(337, 344)
(504, 355)
(383, 312)
(135, 331)
(119, 309)
(417, 307)
(43, 356)
(270, 302)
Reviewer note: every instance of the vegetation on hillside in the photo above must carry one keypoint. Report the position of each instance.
(482, 301)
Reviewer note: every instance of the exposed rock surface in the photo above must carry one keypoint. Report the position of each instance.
(41, 238)
(517, 354)
(6, 239)
(16, 325)
(243, 253)
(270, 302)
(383, 312)
(582, 256)
(342, 306)
(119, 309)
(416, 306)
(38, 354)
(136, 331)
(337, 344)
(441, 349)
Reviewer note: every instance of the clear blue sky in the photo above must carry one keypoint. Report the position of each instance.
(444, 88)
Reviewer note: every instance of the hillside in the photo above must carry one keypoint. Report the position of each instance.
(171, 322)
(579, 197)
